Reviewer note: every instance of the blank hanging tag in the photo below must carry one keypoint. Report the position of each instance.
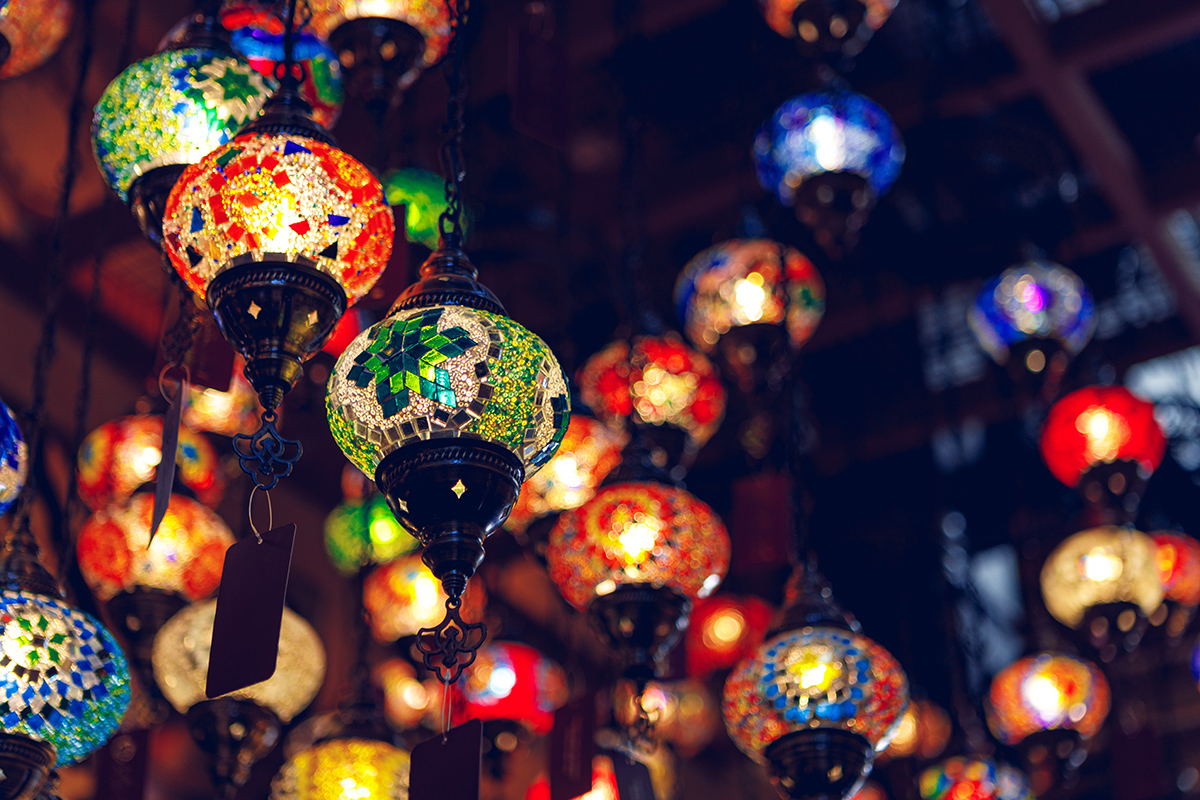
(633, 778)
(166, 465)
(245, 637)
(572, 747)
(447, 767)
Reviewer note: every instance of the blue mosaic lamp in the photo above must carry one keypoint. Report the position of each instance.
(14, 459)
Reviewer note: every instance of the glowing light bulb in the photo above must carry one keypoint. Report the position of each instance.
(383, 531)
(637, 540)
(751, 297)
(814, 671)
(726, 628)
(1106, 433)
(426, 591)
(501, 681)
(566, 471)
(1099, 565)
(146, 460)
(829, 142)
(1043, 694)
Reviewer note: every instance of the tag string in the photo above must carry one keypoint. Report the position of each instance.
(447, 689)
(250, 512)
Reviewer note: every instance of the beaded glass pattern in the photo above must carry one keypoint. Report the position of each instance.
(638, 533)
(814, 678)
(1034, 300)
(340, 769)
(34, 30)
(14, 459)
(64, 679)
(186, 556)
(748, 282)
(174, 107)
(121, 456)
(180, 659)
(366, 532)
(445, 372)
(664, 381)
(1178, 558)
(820, 132)
(431, 18)
(1099, 566)
(588, 452)
(278, 194)
(1099, 425)
(403, 596)
(1046, 692)
(511, 681)
(423, 195)
(962, 778)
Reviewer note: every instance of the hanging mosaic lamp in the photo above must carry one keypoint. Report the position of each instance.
(588, 453)
(635, 557)
(827, 27)
(384, 45)
(236, 729)
(14, 459)
(1178, 558)
(256, 31)
(122, 456)
(967, 778)
(723, 630)
(1104, 581)
(511, 681)
(818, 700)
(1106, 443)
(924, 731)
(405, 699)
(1040, 313)
(30, 32)
(830, 155)
(403, 596)
(423, 195)
(226, 413)
(359, 534)
(170, 110)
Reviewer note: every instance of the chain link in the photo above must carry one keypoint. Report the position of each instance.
(453, 165)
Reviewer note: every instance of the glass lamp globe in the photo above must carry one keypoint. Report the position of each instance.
(635, 556)
(827, 26)
(588, 453)
(1035, 307)
(813, 690)
(403, 596)
(423, 195)
(225, 413)
(358, 534)
(963, 778)
(405, 700)
(511, 681)
(122, 456)
(1178, 558)
(14, 459)
(337, 769)
(723, 630)
(1048, 692)
(30, 32)
(924, 731)
(1103, 579)
(170, 110)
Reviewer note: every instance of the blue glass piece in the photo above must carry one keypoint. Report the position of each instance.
(197, 220)
(337, 220)
(291, 148)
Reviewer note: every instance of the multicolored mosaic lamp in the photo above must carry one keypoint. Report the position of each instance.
(1104, 580)
(511, 681)
(236, 729)
(122, 456)
(403, 596)
(170, 110)
(1039, 309)
(30, 32)
(14, 459)
(1105, 442)
(1051, 694)
(1178, 558)
(723, 630)
(359, 534)
(829, 155)
(423, 195)
(827, 27)
(635, 557)
(969, 778)
(342, 768)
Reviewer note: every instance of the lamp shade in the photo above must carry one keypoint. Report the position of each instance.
(961, 778)
(745, 282)
(514, 682)
(257, 33)
(403, 596)
(123, 455)
(1178, 558)
(430, 18)
(1049, 691)
(14, 459)
(662, 381)
(1098, 567)
(638, 533)
(284, 196)
(1036, 300)
(32, 30)
(827, 132)
(185, 557)
(443, 372)
(181, 652)
(172, 108)
(358, 534)
(589, 451)
(337, 769)
(423, 195)
(65, 680)
(1100, 425)
(723, 630)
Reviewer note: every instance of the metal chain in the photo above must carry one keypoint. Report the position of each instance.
(453, 165)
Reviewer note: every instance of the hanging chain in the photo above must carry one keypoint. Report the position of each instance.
(450, 221)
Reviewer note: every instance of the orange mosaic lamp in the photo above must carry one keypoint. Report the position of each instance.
(924, 731)
(1045, 693)
(403, 596)
(1178, 558)
(30, 32)
(723, 630)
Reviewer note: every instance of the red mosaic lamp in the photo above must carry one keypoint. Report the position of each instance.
(1178, 558)
(723, 630)
(511, 681)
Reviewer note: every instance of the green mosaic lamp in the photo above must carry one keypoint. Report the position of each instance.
(170, 110)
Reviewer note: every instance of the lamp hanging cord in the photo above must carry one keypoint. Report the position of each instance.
(450, 221)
